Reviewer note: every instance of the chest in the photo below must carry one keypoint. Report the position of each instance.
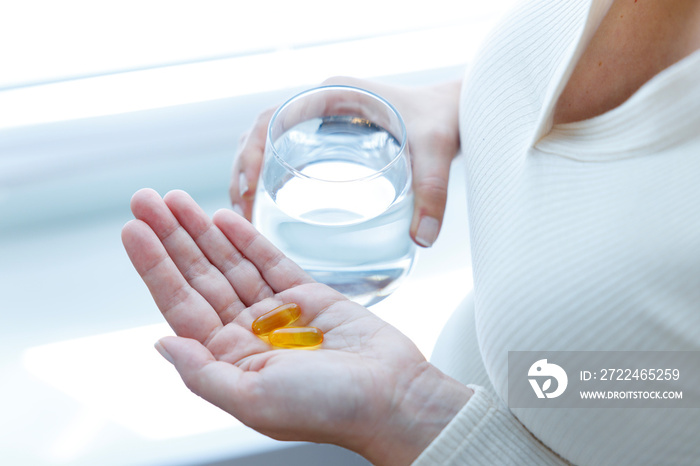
(591, 251)
(635, 41)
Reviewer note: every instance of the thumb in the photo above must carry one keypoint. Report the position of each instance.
(200, 371)
(217, 382)
(432, 157)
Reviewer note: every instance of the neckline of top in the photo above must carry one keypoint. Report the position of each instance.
(661, 113)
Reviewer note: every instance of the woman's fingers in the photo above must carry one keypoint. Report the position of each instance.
(431, 117)
(247, 165)
(216, 381)
(434, 142)
(241, 275)
(184, 251)
(225, 262)
(277, 270)
(242, 393)
(432, 156)
(187, 312)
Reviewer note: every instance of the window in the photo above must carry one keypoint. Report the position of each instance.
(45, 41)
(99, 99)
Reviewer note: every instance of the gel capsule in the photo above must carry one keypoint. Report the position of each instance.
(278, 317)
(296, 337)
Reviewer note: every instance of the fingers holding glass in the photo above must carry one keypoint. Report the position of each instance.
(246, 167)
(432, 159)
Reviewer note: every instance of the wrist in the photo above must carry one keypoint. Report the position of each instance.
(427, 402)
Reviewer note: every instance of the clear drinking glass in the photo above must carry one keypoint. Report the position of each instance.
(335, 190)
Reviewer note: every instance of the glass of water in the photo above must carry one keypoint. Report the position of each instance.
(335, 190)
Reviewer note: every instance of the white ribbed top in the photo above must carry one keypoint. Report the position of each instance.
(585, 236)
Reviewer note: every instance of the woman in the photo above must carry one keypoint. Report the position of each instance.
(580, 123)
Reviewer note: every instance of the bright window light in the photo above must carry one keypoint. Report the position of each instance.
(48, 40)
(120, 377)
(219, 79)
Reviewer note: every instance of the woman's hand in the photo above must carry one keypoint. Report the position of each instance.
(431, 117)
(367, 388)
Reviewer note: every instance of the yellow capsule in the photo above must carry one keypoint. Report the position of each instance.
(296, 337)
(278, 317)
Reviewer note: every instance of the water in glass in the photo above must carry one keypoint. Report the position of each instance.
(339, 217)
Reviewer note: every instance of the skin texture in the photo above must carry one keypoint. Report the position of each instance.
(635, 41)
(430, 114)
(367, 388)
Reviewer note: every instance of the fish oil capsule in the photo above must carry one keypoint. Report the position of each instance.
(296, 337)
(280, 316)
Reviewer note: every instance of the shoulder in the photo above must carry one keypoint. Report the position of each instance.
(518, 63)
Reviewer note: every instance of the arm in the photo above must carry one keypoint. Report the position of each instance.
(485, 432)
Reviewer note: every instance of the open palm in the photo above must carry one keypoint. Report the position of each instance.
(212, 277)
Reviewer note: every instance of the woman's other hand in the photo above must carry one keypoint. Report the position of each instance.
(431, 117)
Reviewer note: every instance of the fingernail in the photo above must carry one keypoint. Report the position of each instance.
(161, 349)
(242, 184)
(427, 231)
(238, 209)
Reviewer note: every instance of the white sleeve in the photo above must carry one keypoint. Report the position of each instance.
(485, 432)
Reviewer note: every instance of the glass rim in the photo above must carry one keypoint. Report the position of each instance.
(382, 100)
